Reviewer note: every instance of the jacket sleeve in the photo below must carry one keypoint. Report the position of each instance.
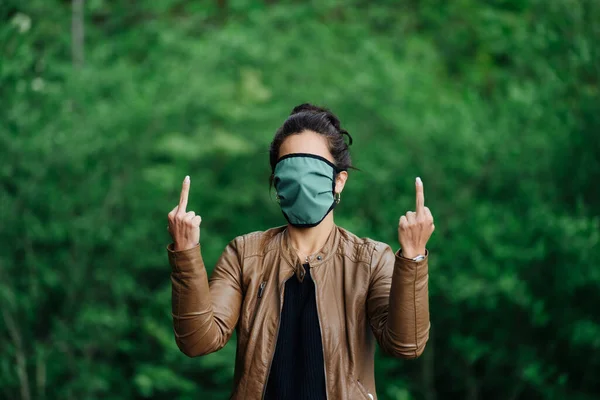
(398, 303)
(205, 314)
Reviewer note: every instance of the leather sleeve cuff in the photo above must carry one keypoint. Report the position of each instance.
(407, 264)
(399, 254)
(184, 260)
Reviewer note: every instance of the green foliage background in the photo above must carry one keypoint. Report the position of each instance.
(495, 104)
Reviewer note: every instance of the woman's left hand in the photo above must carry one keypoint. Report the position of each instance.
(415, 228)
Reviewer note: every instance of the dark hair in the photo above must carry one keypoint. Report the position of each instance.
(320, 120)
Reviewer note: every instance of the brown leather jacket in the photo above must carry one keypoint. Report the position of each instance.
(365, 293)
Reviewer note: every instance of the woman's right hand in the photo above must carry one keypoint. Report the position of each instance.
(184, 226)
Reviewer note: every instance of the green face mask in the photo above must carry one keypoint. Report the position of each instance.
(305, 186)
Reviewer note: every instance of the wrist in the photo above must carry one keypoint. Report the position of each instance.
(412, 253)
(177, 247)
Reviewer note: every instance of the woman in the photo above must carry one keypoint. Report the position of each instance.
(309, 299)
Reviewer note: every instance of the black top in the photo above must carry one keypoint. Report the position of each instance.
(298, 369)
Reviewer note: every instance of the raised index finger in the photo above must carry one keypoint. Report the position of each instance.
(420, 196)
(185, 190)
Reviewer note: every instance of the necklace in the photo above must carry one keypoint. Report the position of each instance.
(307, 256)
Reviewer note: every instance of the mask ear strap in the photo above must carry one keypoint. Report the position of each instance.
(335, 174)
(336, 171)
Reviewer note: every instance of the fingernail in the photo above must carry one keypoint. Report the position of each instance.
(187, 179)
(419, 182)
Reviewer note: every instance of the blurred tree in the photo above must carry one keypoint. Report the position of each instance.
(493, 103)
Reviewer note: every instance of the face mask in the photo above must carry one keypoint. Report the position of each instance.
(305, 184)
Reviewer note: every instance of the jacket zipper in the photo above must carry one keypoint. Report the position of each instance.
(281, 290)
(321, 330)
(261, 288)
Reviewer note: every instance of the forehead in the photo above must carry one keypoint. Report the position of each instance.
(306, 142)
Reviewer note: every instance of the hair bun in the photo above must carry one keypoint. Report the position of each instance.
(307, 107)
(310, 108)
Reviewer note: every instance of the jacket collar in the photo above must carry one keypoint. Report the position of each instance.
(322, 256)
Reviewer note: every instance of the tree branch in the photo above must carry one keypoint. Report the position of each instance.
(77, 33)
(15, 335)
